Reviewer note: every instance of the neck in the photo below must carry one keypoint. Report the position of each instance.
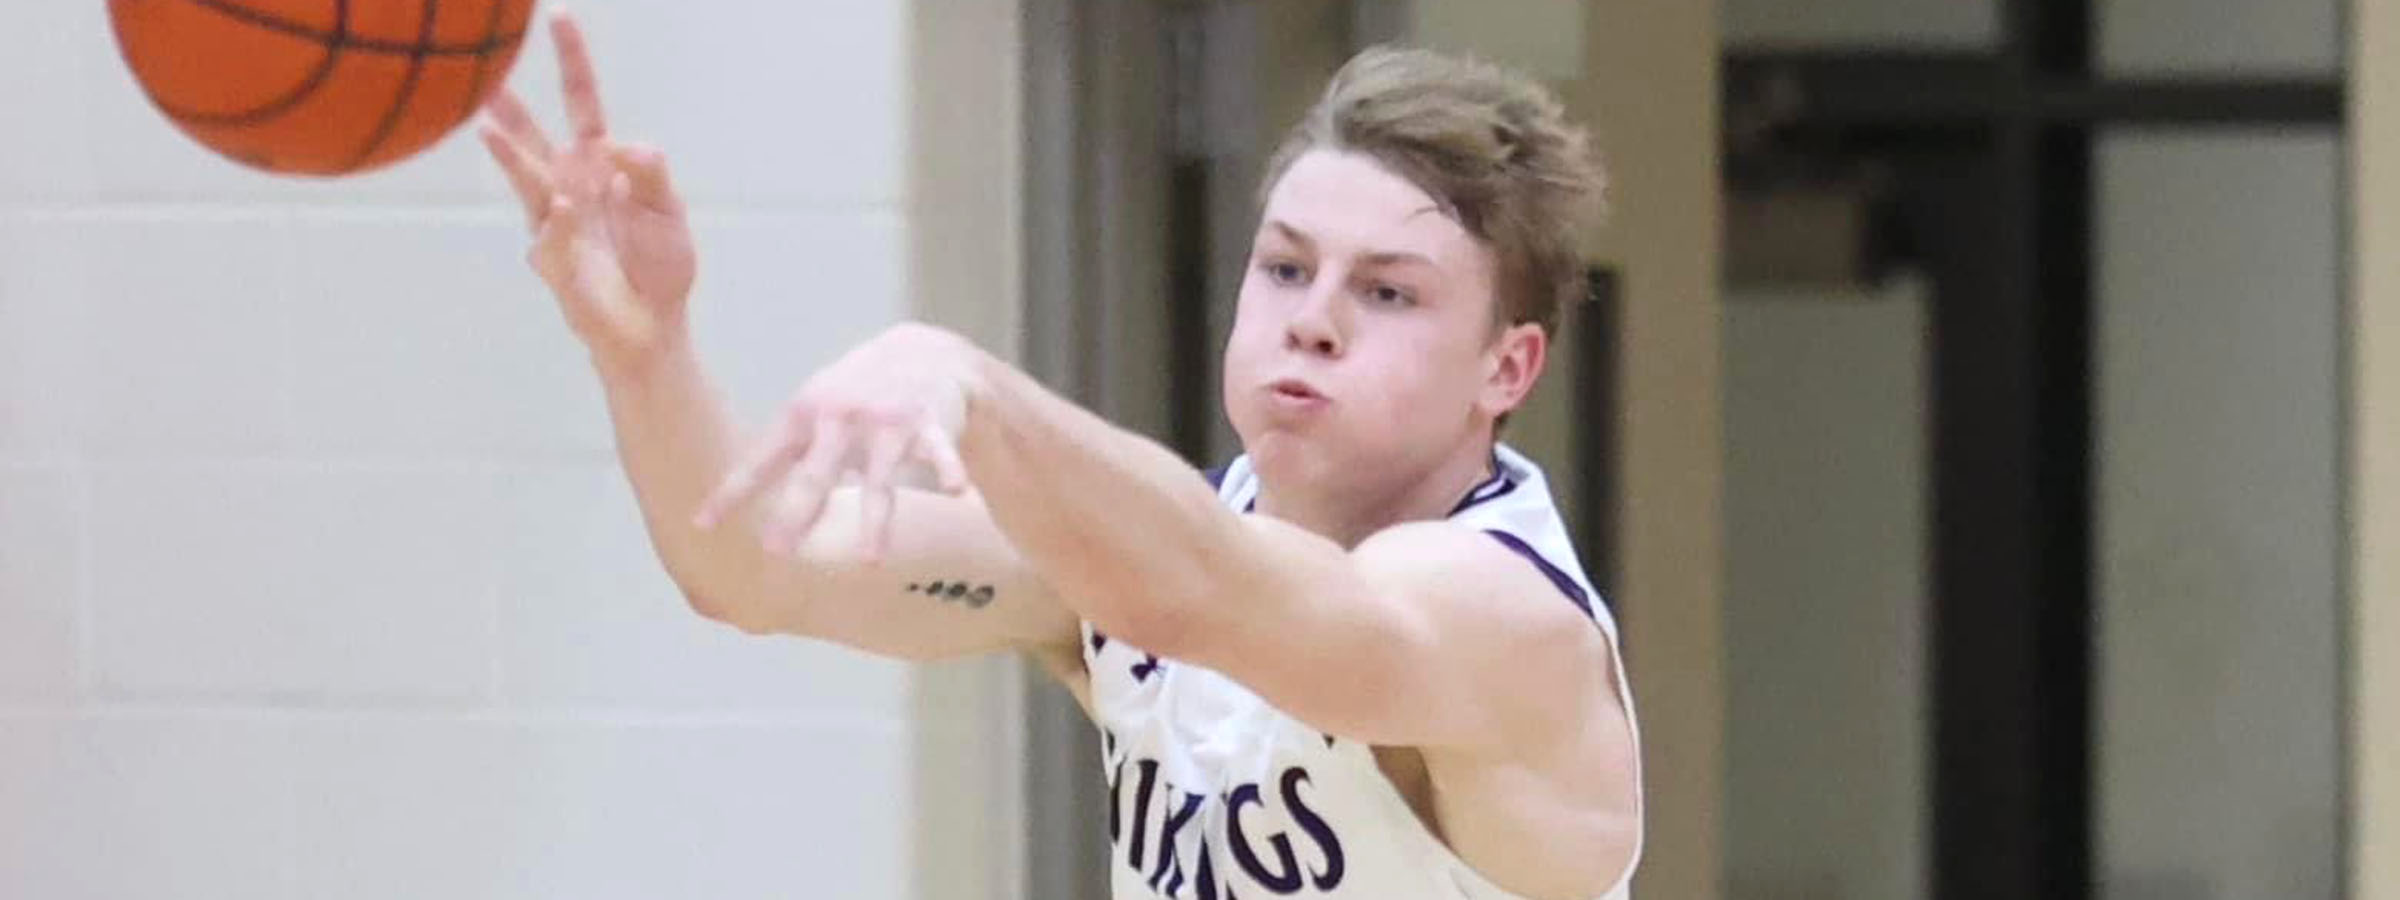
(1350, 517)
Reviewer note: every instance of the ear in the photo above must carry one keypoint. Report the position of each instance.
(1511, 365)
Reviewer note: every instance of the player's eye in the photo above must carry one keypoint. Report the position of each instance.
(1390, 295)
(1284, 273)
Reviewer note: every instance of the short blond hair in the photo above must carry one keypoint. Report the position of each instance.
(1491, 146)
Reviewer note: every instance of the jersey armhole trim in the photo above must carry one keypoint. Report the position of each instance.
(1565, 583)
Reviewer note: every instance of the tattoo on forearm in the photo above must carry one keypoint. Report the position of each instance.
(975, 596)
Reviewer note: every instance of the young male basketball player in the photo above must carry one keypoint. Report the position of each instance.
(1361, 664)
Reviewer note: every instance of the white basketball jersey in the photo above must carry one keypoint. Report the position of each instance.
(1215, 794)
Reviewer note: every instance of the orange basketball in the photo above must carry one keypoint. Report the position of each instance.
(319, 87)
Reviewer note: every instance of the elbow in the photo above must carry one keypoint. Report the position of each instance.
(723, 605)
(713, 606)
(1161, 626)
(744, 618)
(1176, 610)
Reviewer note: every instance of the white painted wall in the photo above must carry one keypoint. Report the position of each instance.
(1885, 24)
(1826, 579)
(2218, 768)
(2218, 38)
(316, 574)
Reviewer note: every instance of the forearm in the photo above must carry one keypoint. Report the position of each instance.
(1124, 531)
(949, 585)
(675, 439)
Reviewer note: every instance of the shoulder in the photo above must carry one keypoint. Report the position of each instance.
(1505, 626)
(1456, 548)
(1428, 548)
(1483, 577)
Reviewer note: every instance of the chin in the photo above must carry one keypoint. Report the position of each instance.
(1288, 457)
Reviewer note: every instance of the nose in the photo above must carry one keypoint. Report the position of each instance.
(1316, 327)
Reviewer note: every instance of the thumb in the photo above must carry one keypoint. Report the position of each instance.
(644, 173)
(553, 252)
(570, 254)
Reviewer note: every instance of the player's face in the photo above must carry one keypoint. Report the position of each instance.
(1363, 344)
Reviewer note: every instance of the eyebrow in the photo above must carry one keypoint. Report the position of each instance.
(1291, 234)
(1379, 258)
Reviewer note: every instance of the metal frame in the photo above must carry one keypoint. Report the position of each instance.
(1995, 151)
(1096, 238)
(1599, 376)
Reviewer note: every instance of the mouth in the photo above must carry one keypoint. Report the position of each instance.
(1295, 390)
(1295, 397)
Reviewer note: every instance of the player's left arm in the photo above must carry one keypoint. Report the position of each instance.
(1427, 635)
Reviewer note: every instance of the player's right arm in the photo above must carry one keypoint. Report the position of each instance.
(612, 243)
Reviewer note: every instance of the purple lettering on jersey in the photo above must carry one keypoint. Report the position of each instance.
(1285, 879)
(1116, 802)
(1141, 811)
(1178, 811)
(1327, 842)
(1167, 863)
(1206, 877)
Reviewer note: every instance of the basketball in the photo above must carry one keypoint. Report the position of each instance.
(318, 87)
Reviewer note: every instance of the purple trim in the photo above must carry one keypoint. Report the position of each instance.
(1477, 497)
(1565, 583)
(1216, 479)
(1493, 488)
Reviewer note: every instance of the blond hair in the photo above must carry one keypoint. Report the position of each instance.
(1491, 146)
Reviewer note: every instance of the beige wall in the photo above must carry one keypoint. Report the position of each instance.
(2375, 450)
(1650, 91)
(963, 196)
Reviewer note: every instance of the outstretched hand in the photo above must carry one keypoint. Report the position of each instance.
(610, 235)
(898, 400)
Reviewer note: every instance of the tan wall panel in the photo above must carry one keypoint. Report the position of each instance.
(1650, 92)
(2375, 449)
(962, 208)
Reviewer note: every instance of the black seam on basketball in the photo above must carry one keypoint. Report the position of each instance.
(344, 40)
(408, 89)
(274, 108)
(483, 63)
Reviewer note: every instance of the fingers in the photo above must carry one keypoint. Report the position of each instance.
(620, 192)
(773, 455)
(576, 79)
(936, 448)
(517, 143)
(877, 494)
(554, 243)
(529, 179)
(804, 494)
(645, 172)
(509, 113)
